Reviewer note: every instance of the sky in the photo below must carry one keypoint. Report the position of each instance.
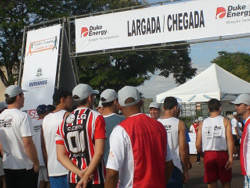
(201, 56)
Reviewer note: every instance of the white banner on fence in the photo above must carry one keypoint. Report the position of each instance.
(179, 21)
(40, 67)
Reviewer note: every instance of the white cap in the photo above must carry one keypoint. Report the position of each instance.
(100, 104)
(3, 105)
(243, 98)
(155, 105)
(83, 91)
(234, 113)
(196, 120)
(108, 95)
(128, 92)
(200, 118)
(13, 91)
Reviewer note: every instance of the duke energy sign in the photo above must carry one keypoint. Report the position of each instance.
(161, 24)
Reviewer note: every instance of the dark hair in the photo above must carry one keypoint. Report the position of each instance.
(81, 102)
(11, 100)
(50, 108)
(60, 93)
(214, 105)
(169, 103)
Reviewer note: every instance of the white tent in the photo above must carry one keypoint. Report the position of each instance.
(214, 82)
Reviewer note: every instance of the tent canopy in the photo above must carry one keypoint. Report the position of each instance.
(214, 82)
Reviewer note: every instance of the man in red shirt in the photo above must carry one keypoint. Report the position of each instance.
(138, 154)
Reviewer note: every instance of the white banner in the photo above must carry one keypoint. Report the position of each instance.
(40, 67)
(179, 21)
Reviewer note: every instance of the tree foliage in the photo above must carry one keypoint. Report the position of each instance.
(236, 63)
(112, 70)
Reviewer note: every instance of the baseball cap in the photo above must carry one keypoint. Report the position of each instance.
(108, 95)
(155, 105)
(196, 120)
(61, 92)
(242, 98)
(50, 108)
(200, 118)
(234, 113)
(99, 104)
(13, 91)
(82, 91)
(3, 105)
(41, 109)
(128, 92)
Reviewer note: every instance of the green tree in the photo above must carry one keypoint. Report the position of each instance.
(124, 68)
(236, 63)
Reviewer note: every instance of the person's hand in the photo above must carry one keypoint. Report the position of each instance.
(229, 165)
(84, 181)
(185, 177)
(36, 168)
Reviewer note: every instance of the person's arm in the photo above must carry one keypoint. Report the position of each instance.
(63, 158)
(230, 143)
(31, 152)
(44, 151)
(183, 150)
(199, 139)
(111, 178)
(169, 166)
(99, 151)
(1, 149)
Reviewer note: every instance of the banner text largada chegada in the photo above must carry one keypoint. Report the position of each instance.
(171, 22)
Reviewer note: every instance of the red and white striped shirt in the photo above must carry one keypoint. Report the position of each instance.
(78, 133)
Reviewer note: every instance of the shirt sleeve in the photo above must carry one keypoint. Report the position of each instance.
(26, 126)
(118, 148)
(100, 131)
(58, 137)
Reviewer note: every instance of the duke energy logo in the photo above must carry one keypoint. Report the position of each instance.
(220, 12)
(232, 11)
(93, 31)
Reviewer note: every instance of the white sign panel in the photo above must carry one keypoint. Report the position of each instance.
(40, 67)
(180, 21)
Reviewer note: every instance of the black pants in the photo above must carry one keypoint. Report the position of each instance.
(21, 178)
(90, 185)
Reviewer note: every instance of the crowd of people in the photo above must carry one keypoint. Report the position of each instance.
(116, 145)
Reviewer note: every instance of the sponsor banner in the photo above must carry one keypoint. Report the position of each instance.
(40, 67)
(179, 21)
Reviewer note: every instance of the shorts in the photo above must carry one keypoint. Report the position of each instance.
(59, 182)
(214, 167)
(43, 174)
(246, 182)
(1, 167)
(236, 141)
(176, 178)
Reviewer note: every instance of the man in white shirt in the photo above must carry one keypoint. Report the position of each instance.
(215, 142)
(242, 106)
(20, 161)
(62, 98)
(176, 135)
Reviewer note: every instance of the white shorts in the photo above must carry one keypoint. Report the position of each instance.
(246, 182)
(43, 174)
(1, 167)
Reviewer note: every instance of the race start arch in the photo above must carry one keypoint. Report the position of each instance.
(49, 48)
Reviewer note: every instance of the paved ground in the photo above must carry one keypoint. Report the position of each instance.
(196, 175)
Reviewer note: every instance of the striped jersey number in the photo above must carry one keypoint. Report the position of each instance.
(76, 141)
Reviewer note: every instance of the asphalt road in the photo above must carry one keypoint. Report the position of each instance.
(196, 175)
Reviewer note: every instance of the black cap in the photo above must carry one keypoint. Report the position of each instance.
(41, 109)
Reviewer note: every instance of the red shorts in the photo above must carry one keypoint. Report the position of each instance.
(214, 167)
